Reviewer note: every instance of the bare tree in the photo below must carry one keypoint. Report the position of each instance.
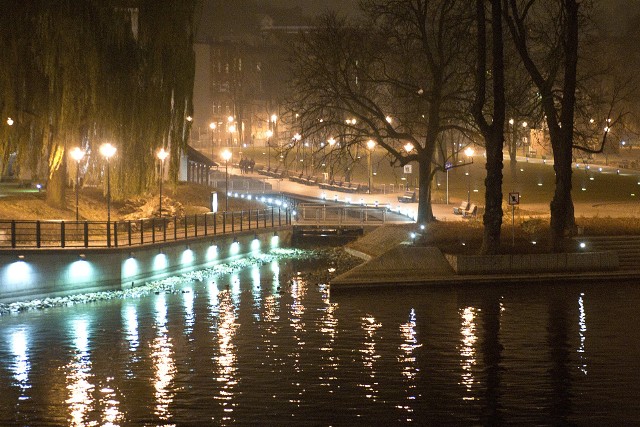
(399, 79)
(493, 132)
(545, 34)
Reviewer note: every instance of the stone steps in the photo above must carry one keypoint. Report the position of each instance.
(627, 248)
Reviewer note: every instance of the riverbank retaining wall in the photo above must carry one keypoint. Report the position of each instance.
(40, 273)
(532, 263)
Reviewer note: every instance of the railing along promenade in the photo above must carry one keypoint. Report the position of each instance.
(18, 234)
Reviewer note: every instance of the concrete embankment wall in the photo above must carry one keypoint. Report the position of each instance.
(40, 273)
(532, 263)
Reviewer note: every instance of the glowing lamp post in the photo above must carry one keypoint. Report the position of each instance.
(77, 154)
(269, 135)
(226, 156)
(162, 155)
(371, 145)
(469, 153)
(212, 126)
(108, 151)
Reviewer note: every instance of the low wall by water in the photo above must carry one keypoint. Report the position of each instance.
(40, 273)
(534, 263)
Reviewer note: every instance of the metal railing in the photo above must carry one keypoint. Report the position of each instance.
(313, 213)
(102, 234)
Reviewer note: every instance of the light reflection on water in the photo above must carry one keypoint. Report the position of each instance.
(266, 346)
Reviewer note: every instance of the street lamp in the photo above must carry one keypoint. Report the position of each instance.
(162, 155)
(525, 139)
(77, 154)
(226, 156)
(469, 153)
(370, 145)
(212, 126)
(107, 150)
(269, 135)
(297, 137)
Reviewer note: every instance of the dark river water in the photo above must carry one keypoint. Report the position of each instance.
(255, 348)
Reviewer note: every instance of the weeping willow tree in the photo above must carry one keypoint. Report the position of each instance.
(85, 72)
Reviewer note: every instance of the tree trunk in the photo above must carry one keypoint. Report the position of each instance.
(562, 211)
(492, 218)
(425, 211)
(57, 186)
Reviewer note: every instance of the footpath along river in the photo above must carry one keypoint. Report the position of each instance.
(267, 343)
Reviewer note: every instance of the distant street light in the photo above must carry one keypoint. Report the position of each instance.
(9, 121)
(107, 151)
(371, 145)
(408, 147)
(469, 153)
(162, 155)
(226, 156)
(77, 154)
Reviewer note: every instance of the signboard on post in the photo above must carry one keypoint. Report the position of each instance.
(514, 199)
(407, 168)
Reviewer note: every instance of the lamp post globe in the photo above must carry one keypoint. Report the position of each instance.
(371, 145)
(469, 153)
(162, 155)
(108, 151)
(226, 156)
(77, 154)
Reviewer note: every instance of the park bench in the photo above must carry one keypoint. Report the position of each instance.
(471, 212)
(464, 206)
(407, 197)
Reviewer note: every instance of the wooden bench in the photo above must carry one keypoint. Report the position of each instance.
(408, 197)
(464, 206)
(471, 212)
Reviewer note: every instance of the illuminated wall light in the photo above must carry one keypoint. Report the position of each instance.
(591, 178)
(584, 189)
(422, 227)
(212, 252)
(160, 262)
(17, 273)
(82, 256)
(275, 240)
(583, 245)
(263, 199)
(249, 197)
(269, 200)
(187, 256)
(539, 184)
(21, 257)
(534, 242)
(284, 205)
(80, 270)
(255, 245)
(599, 169)
(131, 255)
(236, 195)
(130, 267)
(234, 249)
